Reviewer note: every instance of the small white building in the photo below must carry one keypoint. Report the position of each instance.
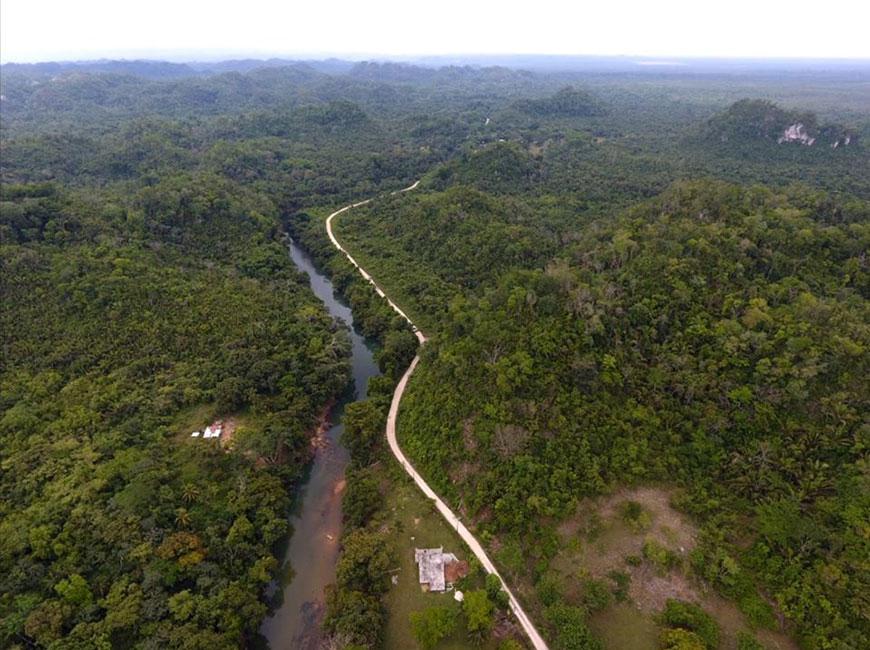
(437, 568)
(431, 564)
(214, 430)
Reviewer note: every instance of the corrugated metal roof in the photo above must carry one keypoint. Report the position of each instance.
(431, 564)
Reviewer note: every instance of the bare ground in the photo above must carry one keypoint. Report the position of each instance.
(229, 428)
(597, 541)
(612, 539)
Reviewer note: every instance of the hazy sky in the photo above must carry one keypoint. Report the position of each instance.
(35, 30)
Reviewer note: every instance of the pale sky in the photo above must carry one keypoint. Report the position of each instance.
(40, 30)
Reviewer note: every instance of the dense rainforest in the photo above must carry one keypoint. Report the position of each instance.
(126, 326)
(146, 293)
(630, 279)
(712, 337)
(715, 337)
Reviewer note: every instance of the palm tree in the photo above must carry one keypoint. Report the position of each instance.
(189, 493)
(182, 518)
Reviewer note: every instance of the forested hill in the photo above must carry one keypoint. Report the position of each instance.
(600, 324)
(714, 337)
(568, 102)
(123, 331)
(749, 121)
(147, 292)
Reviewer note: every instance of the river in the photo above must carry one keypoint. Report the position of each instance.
(312, 551)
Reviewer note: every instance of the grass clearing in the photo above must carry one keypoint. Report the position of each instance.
(623, 626)
(637, 532)
(197, 418)
(194, 418)
(414, 522)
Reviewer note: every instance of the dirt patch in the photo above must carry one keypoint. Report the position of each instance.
(506, 628)
(509, 439)
(463, 471)
(776, 640)
(606, 531)
(650, 590)
(609, 538)
(453, 571)
(668, 524)
(230, 425)
(469, 440)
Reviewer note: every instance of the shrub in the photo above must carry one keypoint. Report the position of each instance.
(757, 610)
(549, 589)
(635, 516)
(510, 644)
(355, 616)
(431, 625)
(746, 641)
(688, 616)
(663, 558)
(680, 639)
(596, 595)
(478, 614)
(495, 592)
(621, 583)
(569, 624)
(361, 499)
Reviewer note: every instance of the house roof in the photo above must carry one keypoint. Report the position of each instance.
(431, 564)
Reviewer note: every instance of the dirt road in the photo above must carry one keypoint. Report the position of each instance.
(536, 640)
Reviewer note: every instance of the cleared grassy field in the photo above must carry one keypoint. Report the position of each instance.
(622, 626)
(600, 539)
(415, 523)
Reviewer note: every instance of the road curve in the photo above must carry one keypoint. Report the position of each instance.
(537, 641)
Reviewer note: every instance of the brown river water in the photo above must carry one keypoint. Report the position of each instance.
(312, 549)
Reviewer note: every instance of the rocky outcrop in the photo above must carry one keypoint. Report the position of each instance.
(796, 133)
(837, 136)
(751, 120)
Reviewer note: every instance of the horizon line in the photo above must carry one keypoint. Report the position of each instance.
(213, 56)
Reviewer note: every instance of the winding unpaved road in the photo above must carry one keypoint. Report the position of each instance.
(537, 641)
